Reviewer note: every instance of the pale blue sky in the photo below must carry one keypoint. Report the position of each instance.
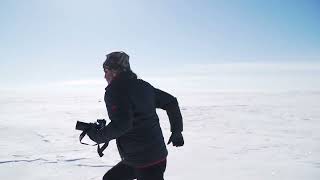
(53, 41)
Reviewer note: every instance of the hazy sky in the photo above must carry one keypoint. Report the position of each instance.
(202, 45)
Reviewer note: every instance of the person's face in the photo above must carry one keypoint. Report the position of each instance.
(109, 75)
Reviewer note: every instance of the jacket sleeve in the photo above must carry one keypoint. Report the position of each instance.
(120, 114)
(170, 104)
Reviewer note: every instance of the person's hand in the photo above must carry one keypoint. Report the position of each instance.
(95, 135)
(176, 139)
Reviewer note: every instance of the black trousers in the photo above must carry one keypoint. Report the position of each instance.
(122, 171)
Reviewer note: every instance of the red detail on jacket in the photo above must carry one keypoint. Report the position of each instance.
(153, 163)
(114, 108)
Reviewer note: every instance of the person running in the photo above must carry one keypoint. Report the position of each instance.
(134, 124)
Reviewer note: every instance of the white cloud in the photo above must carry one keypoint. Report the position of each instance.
(240, 77)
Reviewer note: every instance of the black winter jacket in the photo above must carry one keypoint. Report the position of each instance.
(131, 105)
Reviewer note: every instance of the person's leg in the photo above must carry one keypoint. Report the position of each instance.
(120, 172)
(154, 172)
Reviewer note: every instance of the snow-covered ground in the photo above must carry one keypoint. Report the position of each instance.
(249, 136)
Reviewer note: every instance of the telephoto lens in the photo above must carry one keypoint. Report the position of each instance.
(82, 126)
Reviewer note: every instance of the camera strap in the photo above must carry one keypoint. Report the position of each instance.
(82, 135)
(101, 149)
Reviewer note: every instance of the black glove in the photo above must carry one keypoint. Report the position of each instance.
(176, 139)
(96, 136)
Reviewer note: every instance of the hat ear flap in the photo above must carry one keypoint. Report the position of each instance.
(124, 61)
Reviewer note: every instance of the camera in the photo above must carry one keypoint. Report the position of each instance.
(82, 126)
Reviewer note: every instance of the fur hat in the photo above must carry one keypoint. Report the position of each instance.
(117, 61)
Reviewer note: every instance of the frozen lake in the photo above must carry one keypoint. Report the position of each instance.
(228, 136)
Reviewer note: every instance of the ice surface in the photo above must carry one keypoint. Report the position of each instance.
(245, 136)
